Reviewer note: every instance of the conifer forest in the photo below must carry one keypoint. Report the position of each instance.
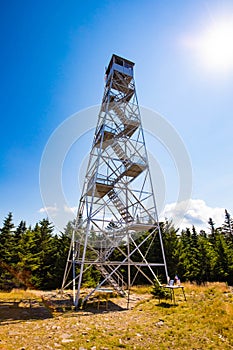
(35, 257)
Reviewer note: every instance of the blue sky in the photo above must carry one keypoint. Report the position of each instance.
(53, 56)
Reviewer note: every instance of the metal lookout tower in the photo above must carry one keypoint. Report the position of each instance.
(117, 213)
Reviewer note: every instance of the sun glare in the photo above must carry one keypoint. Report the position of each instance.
(214, 46)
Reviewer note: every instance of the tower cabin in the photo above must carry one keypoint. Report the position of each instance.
(122, 72)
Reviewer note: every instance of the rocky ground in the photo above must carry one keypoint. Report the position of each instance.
(52, 323)
(204, 321)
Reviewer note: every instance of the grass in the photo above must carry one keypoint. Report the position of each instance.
(141, 289)
(203, 322)
(19, 294)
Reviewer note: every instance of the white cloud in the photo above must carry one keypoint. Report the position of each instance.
(50, 210)
(72, 210)
(197, 214)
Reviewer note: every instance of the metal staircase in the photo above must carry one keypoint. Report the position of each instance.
(120, 113)
(130, 123)
(120, 206)
(108, 275)
(105, 254)
(106, 134)
(119, 151)
(133, 166)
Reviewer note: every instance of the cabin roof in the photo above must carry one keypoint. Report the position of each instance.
(120, 58)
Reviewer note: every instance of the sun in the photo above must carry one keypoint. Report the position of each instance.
(215, 46)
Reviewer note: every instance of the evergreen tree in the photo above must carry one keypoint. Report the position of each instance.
(46, 253)
(212, 228)
(68, 230)
(227, 228)
(6, 238)
(203, 233)
(206, 258)
(29, 259)
(221, 263)
(61, 247)
(37, 254)
(20, 230)
(171, 247)
(188, 262)
(6, 247)
(194, 236)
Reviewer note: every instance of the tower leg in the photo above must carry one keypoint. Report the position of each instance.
(82, 265)
(129, 269)
(73, 267)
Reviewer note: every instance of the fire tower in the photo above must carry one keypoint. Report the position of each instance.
(117, 209)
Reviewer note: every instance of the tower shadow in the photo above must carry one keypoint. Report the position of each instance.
(27, 310)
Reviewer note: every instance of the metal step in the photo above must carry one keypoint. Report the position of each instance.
(110, 279)
(104, 255)
(131, 168)
(130, 124)
(119, 151)
(121, 154)
(119, 113)
(120, 206)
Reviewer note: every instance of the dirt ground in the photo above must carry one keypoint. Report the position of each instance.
(50, 316)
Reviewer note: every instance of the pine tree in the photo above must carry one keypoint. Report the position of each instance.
(6, 248)
(194, 236)
(206, 258)
(61, 245)
(37, 254)
(46, 253)
(227, 228)
(68, 230)
(188, 261)
(6, 238)
(221, 264)
(212, 230)
(171, 247)
(20, 230)
(29, 259)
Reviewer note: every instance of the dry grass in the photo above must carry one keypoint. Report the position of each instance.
(20, 294)
(203, 322)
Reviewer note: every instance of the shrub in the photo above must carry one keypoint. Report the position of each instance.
(159, 292)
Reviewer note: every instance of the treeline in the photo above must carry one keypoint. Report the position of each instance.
(35, 257)
(31, 257)
(201, 256)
